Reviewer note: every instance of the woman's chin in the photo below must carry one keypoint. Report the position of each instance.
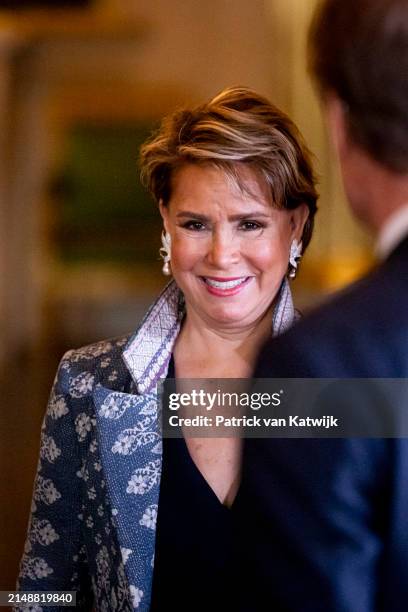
(229, 318)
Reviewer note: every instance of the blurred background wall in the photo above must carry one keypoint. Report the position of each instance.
(80, 88)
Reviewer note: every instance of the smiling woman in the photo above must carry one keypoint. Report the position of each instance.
(236, 191)
(230, 248)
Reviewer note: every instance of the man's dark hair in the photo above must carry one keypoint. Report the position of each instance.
(358, 50)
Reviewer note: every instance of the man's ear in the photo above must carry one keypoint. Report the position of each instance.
(164, 211)
(336, 112)
(298, 218)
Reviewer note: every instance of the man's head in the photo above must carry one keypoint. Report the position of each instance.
(358, 52)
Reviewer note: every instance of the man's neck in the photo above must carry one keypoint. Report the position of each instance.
(375, 192)
(387, 194)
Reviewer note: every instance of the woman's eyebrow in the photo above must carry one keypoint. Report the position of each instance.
(238, 217)
(249, 215)
(189, 214)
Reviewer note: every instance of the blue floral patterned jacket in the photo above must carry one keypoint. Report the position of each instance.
(95, 498)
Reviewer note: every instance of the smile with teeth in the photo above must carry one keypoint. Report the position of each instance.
(225, 288)
(229, 284)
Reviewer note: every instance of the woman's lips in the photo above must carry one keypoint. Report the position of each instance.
(224, 287)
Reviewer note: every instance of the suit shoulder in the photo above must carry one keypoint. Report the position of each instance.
(375, 303)
(97, 351)
(361, 331)
(97, 363)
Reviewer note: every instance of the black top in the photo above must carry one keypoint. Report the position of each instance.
(194, 556)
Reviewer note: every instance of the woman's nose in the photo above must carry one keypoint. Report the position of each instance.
(223, 250)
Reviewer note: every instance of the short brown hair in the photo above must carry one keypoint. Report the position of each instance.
(237, 126)
(358, 50)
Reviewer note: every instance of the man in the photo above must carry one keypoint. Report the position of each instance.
(326, 520)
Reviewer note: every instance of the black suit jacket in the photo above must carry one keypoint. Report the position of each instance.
(326, 521)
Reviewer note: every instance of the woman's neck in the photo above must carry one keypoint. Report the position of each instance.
(203, 345)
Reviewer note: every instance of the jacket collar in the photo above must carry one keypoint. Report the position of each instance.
(394, 231)
(284, 314)
(148, 352)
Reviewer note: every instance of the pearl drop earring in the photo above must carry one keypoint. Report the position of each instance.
(165, 253)
(294, 257)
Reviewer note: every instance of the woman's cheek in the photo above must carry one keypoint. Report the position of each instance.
(186, 253)
(265, 253)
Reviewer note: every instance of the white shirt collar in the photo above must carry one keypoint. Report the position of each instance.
(392, 233)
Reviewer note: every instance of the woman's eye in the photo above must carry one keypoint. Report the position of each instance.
(196, 226)
(250, 225)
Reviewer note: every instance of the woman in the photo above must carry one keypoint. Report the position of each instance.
(236, 192)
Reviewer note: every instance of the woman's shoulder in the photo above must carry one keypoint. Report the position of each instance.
(99, 363)
(98, 351)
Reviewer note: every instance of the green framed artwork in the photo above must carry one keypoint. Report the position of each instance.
(101, 211)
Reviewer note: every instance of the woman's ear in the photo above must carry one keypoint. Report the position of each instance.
(298, 218)
(164, 211)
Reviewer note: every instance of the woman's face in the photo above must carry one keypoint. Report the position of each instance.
(229, 249)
